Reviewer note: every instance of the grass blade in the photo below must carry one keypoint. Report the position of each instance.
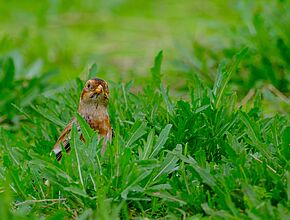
(161, 140)
(139, 132)
(148, 146)
(226, 75)
(86, 130)
(74, 140)
(156, 70)
(47, 116)
(169, 163)
(92, 71)
(253, 133)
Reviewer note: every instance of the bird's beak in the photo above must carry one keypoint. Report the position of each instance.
(99, 89)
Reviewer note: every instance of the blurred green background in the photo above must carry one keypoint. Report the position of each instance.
(121, 36)
(57, 41)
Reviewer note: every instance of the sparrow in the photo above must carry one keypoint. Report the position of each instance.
(93, 107)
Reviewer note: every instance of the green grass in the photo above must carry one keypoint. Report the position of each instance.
(201, 157)
(203, 133)
(121, 36)
(264, 29)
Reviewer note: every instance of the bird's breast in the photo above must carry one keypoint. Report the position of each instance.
(102, 126)
(99, 122)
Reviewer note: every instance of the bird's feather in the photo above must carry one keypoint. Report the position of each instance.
(64, 139)
(94, 109)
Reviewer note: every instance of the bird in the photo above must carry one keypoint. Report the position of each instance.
(93, 107)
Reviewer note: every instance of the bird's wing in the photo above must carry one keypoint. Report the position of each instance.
(66, 135)
(64, 140)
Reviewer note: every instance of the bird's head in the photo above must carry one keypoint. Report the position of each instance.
(96, 91)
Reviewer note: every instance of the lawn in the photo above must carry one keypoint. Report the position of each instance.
(199, 102)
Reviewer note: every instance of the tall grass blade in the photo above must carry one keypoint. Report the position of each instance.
(226, 75)
(156, 70)
(169, 164)
(149, 145)
(163, 136)
(138, 133)
(86, 130)
(74, 140)
(92, 71)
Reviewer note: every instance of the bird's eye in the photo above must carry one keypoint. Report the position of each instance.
(89, 85)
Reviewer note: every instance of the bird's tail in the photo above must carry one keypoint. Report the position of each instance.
(58, 152)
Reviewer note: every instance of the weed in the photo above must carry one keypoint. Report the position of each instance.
(204, 157)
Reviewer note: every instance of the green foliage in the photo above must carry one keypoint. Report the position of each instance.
(156, 70)
(203, 147)
(264, 30)
(93, 72)
(168, 159)
(18, 90)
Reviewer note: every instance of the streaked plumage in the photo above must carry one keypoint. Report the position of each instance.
(93, 108)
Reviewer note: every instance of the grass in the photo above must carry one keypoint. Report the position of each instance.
(202, 134)
(120, 36)
(266, 63)
(200, 158)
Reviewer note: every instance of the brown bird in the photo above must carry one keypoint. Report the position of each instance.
(93, 108)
